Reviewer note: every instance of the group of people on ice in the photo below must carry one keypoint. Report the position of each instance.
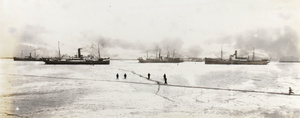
(165, 79)
(125, 76)
(164, 76)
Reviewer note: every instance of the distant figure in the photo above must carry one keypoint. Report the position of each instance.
(148, 75)
(165, 78)
(125, 76)
(117, 76)
(290, 91)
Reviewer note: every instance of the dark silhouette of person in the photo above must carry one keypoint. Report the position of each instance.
(117, 76)
(125, 76)
(290, 91)
(148, 75)
(165, 78)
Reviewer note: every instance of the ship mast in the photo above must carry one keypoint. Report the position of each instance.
(34, 53)
(58, 51)
(174, 53)
(168, 54)
(253, 54)
(98, 52)
(147, 54)
(22, 54)
(222, 53)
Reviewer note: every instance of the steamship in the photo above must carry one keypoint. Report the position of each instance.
(289, 59)
(236, 60)
(28, 58)
(160, 59)
(79, 60)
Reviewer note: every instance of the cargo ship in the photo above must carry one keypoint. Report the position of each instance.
(290, 59)
(78, 60)
(28, 58)
(160, 59)
(193, 59)
(236, 60)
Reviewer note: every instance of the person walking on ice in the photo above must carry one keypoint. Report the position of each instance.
(165, 78)
(290, 91)
(117, 76)
(148, 75)
(125, 76)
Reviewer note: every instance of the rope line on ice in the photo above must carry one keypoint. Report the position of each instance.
(31, 93)
(169, 85)
(157, 82)
(213, 88)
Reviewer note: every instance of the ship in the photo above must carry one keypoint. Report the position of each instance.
(28, 58)
(289, 59)
(193, 59)
(160, 59)
(78, 60)
(236, 60)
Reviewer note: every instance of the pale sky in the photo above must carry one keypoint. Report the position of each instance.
(127, 28)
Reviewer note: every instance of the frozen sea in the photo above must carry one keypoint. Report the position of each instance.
(36, 90)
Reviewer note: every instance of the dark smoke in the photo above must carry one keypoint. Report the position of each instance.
(276, 43)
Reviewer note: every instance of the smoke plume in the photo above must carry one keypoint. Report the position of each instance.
(30, 40)
(168, 45)
(276, 43)
(194, 51)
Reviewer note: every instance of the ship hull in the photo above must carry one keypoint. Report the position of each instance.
(77, 63)
(289, 61)
(160, 61)
(27, 59)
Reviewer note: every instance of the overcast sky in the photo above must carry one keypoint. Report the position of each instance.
(129, 28)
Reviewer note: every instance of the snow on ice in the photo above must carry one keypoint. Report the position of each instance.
(32, 89)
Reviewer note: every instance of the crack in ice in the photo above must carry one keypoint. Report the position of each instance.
(157, 82)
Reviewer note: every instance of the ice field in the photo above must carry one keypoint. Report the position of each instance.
(32, 89)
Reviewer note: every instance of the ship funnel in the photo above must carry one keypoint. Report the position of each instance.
(79, 54)
(235, 53)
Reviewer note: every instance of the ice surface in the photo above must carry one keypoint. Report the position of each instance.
(32, 89)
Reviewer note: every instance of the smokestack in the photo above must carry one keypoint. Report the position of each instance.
(98, 52)
(79, 55)
(159, 54)
(29, 55)
(235, 53)
(58, 50)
